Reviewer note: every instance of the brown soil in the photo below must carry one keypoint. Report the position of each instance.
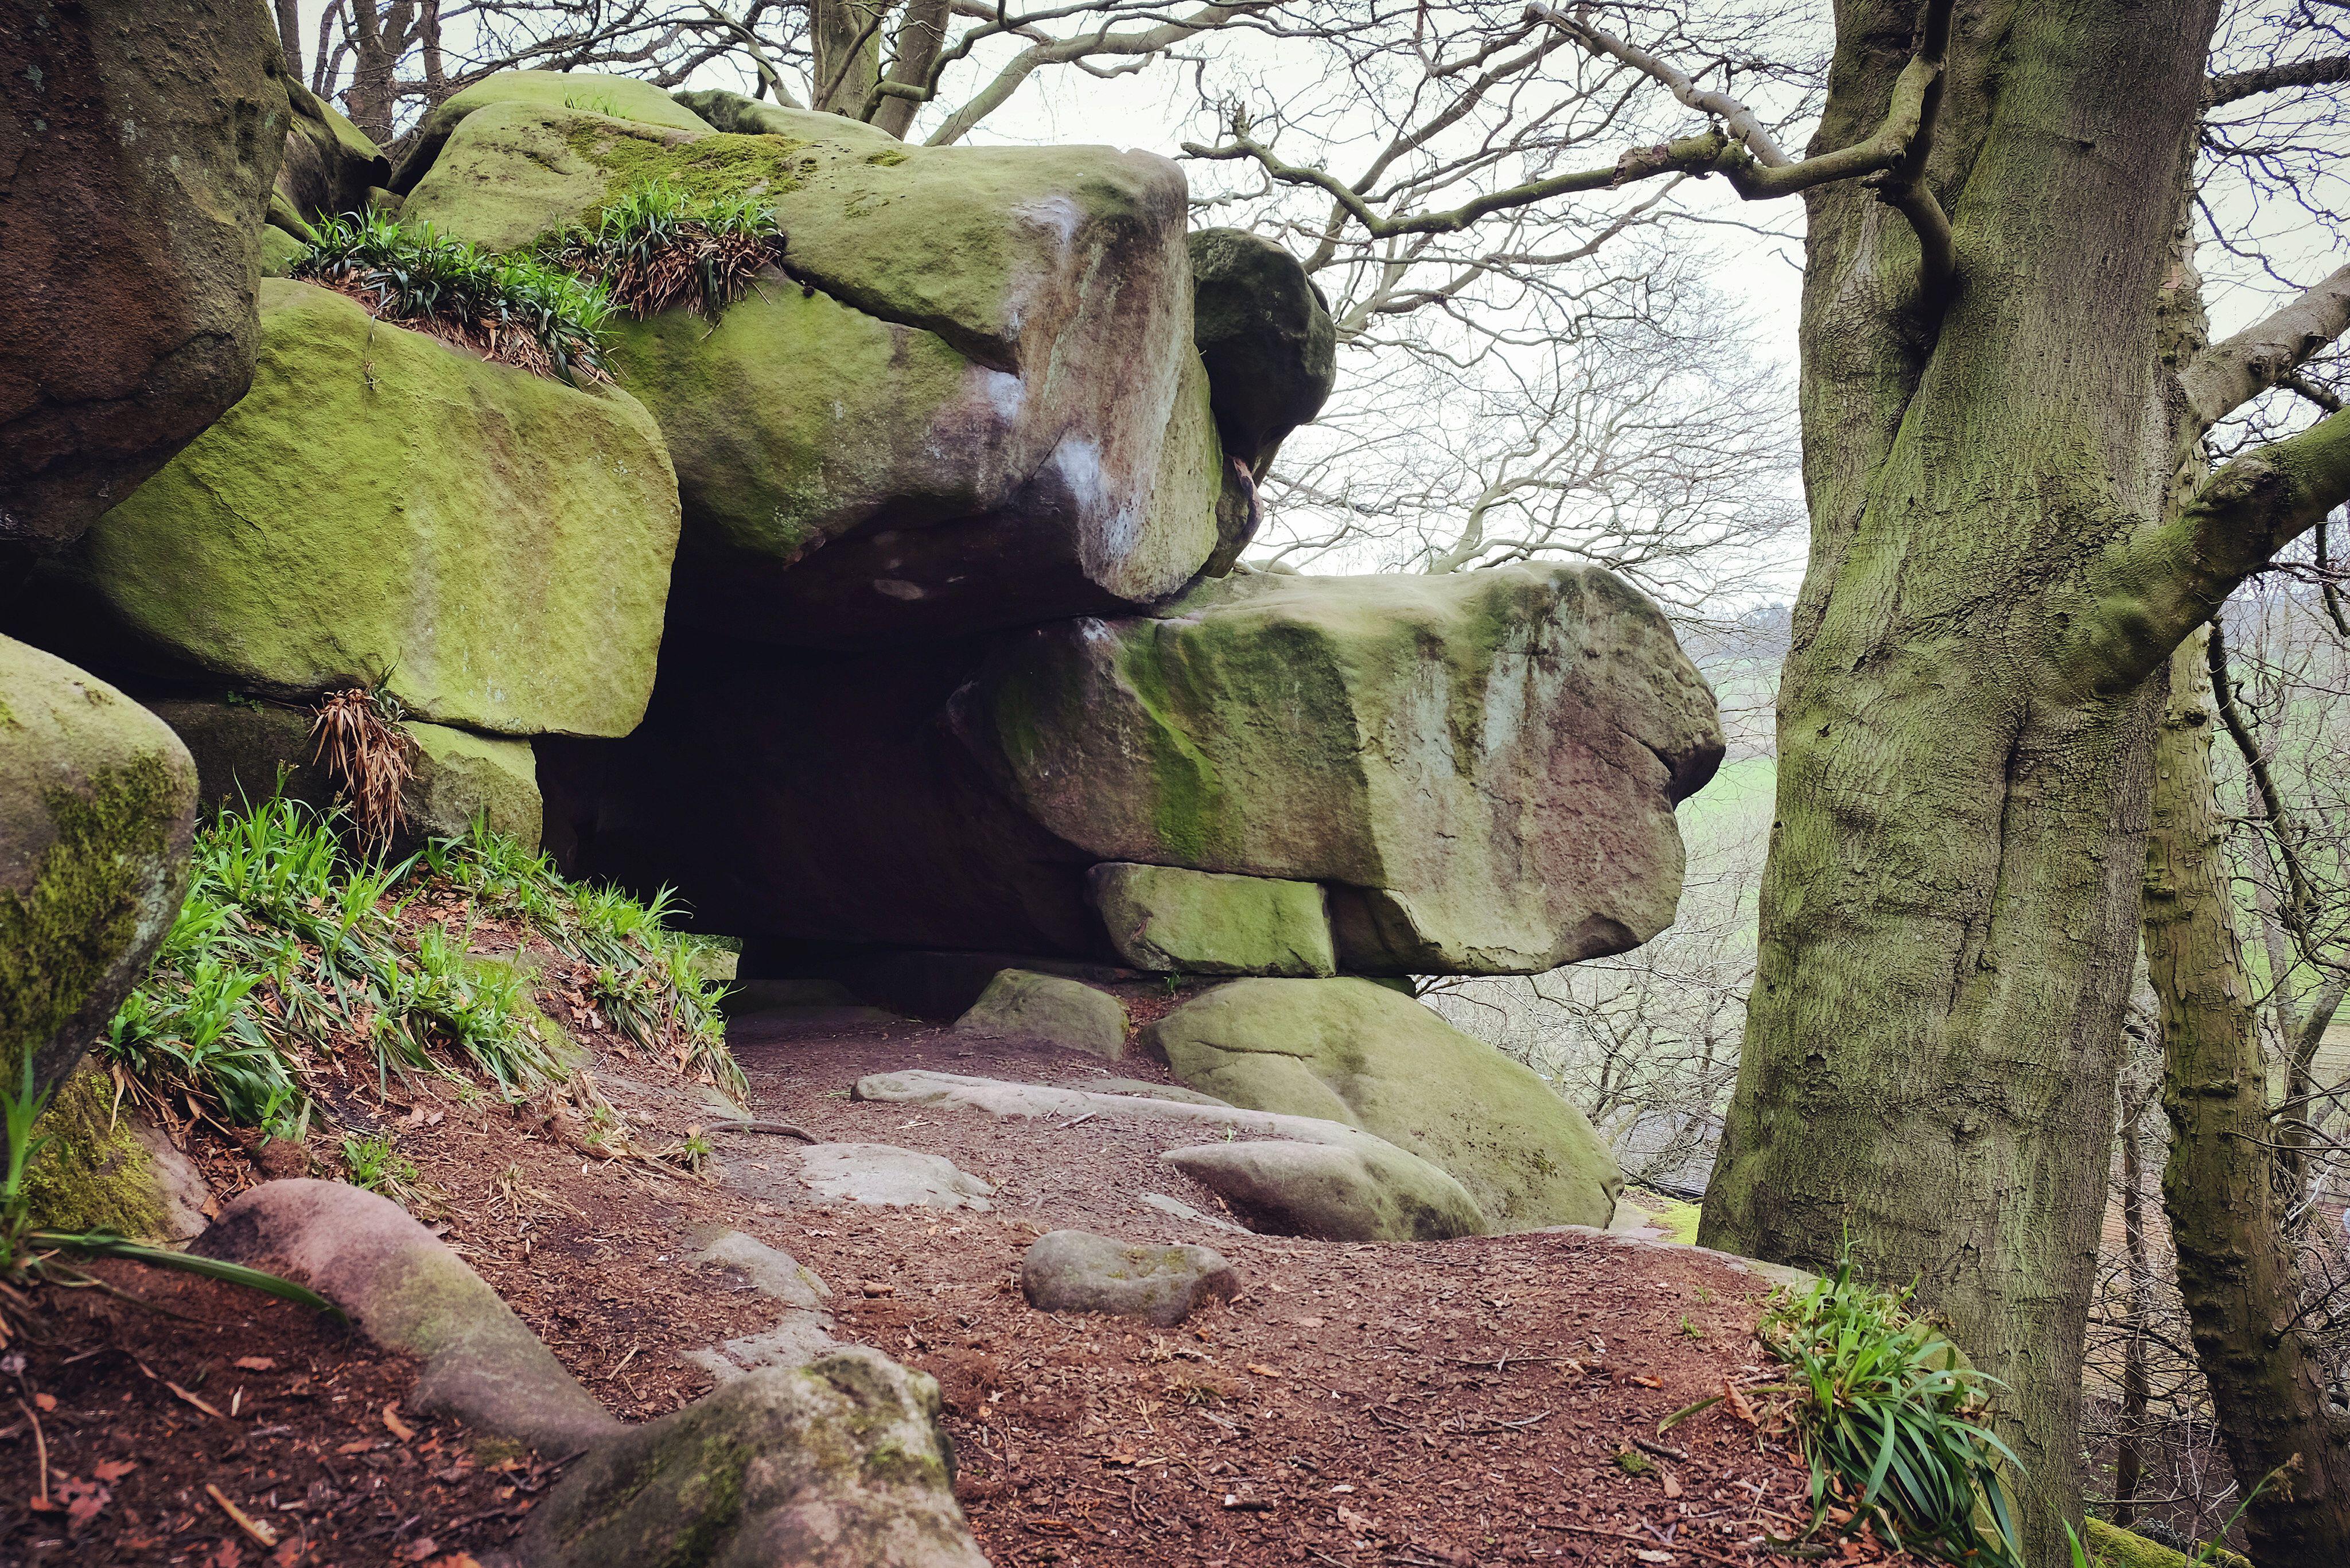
(1490, 1400)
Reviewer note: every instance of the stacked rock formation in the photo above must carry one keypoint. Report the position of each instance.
(893, 614)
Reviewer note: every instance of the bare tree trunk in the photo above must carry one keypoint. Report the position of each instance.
(847, 36)
(2219, 1187)
(290, 36)
(2129, 1460)
(921, 34)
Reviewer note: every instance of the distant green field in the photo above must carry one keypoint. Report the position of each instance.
(1738, 800)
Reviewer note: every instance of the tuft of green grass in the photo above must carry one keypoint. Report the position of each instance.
(656, 244)
(371, 1162)
(1891, 1421)
(515, 309)
(289, 950)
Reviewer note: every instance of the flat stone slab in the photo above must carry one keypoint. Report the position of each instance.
(1141, 1090)
(773, 1273)
(1175, 1209)
(798, 1339)
(886, 1176)
(1077, 1271)
(1209, 922)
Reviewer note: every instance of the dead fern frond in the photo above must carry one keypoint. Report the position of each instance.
(356, 737)
(656, 245)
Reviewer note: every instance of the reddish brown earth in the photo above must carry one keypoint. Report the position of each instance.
(1488, 1400)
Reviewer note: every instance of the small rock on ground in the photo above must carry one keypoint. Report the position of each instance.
(1076, 1270)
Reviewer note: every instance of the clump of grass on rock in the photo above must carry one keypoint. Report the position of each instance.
(514, 309)
(657, 246)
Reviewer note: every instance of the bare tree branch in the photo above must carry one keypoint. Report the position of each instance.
(2236, 85)
(2233, 372)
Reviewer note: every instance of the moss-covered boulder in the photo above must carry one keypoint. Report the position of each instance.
(1024, 1004)
(1265, 334)
(1352, 1052)
(1076, 1270)
(97, 809)
(492, 547)
(580, 92)
(1481, 767)
(979, 407)
(458, 776)
(135, 170)
(100, 1168)
(1370, 1191)
(842, 1463)
(1204, 922)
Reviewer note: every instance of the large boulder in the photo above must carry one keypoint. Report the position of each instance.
(1482, 767)
(137, 147)
(1265, 334)
(1350, 1051)
(980, 407)
(582, 93)
(842, 1463)
(97, 810)
(1333, 1192)
(492, 547)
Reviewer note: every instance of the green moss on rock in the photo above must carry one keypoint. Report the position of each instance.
(1351, 1052)
(492, 546)
(97, 806)
(93, 1173)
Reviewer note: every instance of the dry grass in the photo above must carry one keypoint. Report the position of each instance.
(356, 738)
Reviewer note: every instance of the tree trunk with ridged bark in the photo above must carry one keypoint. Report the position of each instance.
(1951, 904)
(2220, 1185)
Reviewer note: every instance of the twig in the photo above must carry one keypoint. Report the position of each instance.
(40, 1456)
(784, 1129)
(1648, 1541)
(1662, 1451)
(242, 1520)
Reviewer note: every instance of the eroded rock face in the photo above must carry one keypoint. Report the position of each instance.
(1480, 770)
(97, 810)
(1203, 922)
(1265, 334)
(137, 147)
(330, 165)
(842, 1463)
(980, 407)
(492, 546)
(1352, 1052)
(1480, 767)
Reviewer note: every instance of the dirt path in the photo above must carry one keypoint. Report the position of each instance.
(1486, 1401)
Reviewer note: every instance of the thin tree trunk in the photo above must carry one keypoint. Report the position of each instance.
(2219, 1187)
(2129, 1463)
(921, 34)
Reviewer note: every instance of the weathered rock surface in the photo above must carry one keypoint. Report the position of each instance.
(903, 446)
(580, 92)
(889, 1176)
(1265, 334)
(97, 808)
(104, 1170)
(245, 750)
(137, 147)
(457, 776)
(1362, 1192)
(491, 545)
(1205, 923)
(1349, 1051)
(407, 1292)
(1076, 1270)
(330, 165)
(1481, 767)
(1480, 770)
(840, 1464)
(1360, 1188)
(1046, 1007)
